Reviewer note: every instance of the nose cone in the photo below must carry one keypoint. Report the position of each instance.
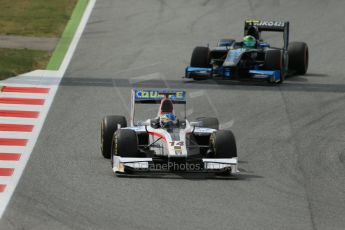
(233, 57)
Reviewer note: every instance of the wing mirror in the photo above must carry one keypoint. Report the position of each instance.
(195, 123)
(146, 123)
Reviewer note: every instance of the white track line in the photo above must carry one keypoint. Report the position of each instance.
(40, 78)
(21, 135)
(37, 108)
(25, 95)
(5, 180)
(9, 164)
(19, 121)
(14, 149)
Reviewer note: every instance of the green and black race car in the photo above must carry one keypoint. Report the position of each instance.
(251, 58)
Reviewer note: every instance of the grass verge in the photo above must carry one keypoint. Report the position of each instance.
(67, 36)
(17, 61)
(39, 18)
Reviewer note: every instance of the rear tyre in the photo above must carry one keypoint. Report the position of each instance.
(223, 144)
(108, 127)
(298, 57)
(209, 122)
(125, 143)
(274, 60)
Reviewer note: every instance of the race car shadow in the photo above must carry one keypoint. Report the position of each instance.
(239, 176)
(294, 78)
(243, 175)
(291, 84)
(303, 78)
(315, 75)
(221, 82)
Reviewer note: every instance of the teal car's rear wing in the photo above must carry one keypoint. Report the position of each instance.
(275, 26)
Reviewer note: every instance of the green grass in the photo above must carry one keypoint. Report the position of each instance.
(39, 18)
(17, 61)
(67, 36)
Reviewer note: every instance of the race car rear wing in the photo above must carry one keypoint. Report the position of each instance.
(275, 26)
(154, 96)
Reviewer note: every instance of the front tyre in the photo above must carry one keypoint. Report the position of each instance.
(125, 143)
(200, 58)
(109, 125)
(223, 144)
(274, 60)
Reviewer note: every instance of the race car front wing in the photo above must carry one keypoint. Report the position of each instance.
(128, 165)
(270, 75)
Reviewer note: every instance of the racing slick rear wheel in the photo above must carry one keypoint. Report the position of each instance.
(223, 144)
(200, 58)
(274, 60)
(125, 143)
(109, 125)
(209, 122)
(298, 57)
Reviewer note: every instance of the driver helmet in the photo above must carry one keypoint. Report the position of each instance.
(249, 41)
(167, 119)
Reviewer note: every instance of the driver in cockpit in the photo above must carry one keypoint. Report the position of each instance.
(167, 120)
(166, 115)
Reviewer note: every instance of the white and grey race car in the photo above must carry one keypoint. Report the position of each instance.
(149, 146)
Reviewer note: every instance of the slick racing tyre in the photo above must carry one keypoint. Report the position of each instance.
(125, 143)
(109, 125)
(223, 144)
(209, 122)
(298, 57)
(274, 60)
(200, 58)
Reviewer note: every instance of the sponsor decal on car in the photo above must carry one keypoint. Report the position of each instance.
(261, 75)
(266, 23)
(157, 94)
